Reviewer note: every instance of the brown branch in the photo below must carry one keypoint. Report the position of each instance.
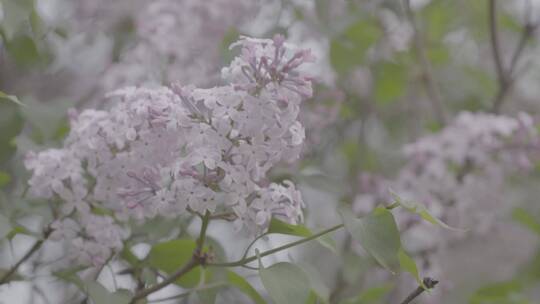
(428, 79)
(192, 263)
(428, 282)
(197, 259)
(37, 245)
(506, 76)
(494, 39)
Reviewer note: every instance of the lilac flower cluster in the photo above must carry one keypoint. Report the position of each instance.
(169, 151)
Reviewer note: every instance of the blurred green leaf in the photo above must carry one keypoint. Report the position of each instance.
(70, 275)
(128, 256)
(498, 293)
(11, 124)
(316, 282)
(171, 255)
(15, 16)
(239, 282)
(438, 54)
(423, 212)
(286, 283)
(526, 219)
(438, 17)
(5, 226)
(510, 23)
(100, 294)
(390, 82)
(378, 234)
(23, 50)
(409, 265)
(18, 229)
(46, 120)
(11, 98)
(230, 36)
(349, 49)
(278, 226)
(374, 295)
(4, 179)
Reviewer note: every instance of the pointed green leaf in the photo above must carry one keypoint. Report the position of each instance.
(4, 179)
(316, 282)
(286, 283)
(390, 82)
(378, 234)
(11, 98)
(170, 256)
(523, 217)
(100, 294)
(239, 282)
(5, 226)
(278, 226)
(423, 212)
(409, 265)
(374, 295)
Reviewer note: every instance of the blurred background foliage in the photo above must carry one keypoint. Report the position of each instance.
(390, 74)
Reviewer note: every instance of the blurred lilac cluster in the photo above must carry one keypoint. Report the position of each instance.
(459, 174)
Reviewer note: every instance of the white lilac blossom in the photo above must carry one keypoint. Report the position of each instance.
(170, 151)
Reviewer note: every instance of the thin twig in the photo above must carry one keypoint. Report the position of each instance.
(506, 77)
(495, 48)
(428, 282)
(244, 261)
(431, 87)
(37, 245)
(198, 259)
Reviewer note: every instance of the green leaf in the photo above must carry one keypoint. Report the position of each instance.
(100, 294)
(4, 179)
(70, 275)
(5, 226)
(422, 211)
(170, 256)
(390, 82)
(230, 36)
(501, 292)
(18, 229)
(378, 234)
(316, 282)
(526, 219)
(11, 98)
(286, 283)
(439, 17)
(239, 282)
(128, 256)
(15, 14)
(438, 54)
(278, 226)
(327, 241)
(409, 265)
(371, 295)
(23, 50)
(349, 49)
(11, 124)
